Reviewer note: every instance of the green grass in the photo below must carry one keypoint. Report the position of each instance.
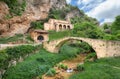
(57, 35)
(11, 39)
(8, 54)
(39, 63)
(107, 68)
(17, 37)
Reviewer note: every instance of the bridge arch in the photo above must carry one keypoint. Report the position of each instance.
(54, 46)
(103, 48)
(62, 42)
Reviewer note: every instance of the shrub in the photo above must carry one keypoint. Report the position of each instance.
(51, 72)
(3, 59)
(91, 55)
(62, 66)
(80, 67)
(16, 8)
(8, 54)
(37, 25)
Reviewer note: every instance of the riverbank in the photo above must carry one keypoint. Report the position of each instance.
(71, 64)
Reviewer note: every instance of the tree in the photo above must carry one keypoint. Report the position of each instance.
(115, 28)
(105, 26)
(87, 29)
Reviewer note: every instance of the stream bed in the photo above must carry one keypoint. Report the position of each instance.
(71, 64)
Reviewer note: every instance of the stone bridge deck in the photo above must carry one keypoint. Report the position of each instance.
(103, 48)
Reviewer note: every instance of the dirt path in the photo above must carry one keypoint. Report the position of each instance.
(62, 74)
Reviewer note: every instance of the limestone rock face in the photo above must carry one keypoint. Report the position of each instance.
(3, 10)
(35, 10)
(58, 4)
(73, 13)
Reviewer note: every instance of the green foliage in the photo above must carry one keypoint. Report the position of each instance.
(71, 52)
(110, 37)
(87, 29)
(83, 47)
(114, 30)
(116, 26)
(104, 67)
(57, 14)
(80, 67)
(57, 35)
(61, 14)
(3, 59)
(106, 26)
(37, 25)
(91, 55)
(16, 8)
(51, 72)
(17, 37)
(33, 65)
(8, 54)
(83, 18)
(29, 38)
(62, 66)
(11, 39)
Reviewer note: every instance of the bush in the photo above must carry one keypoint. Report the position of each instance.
(51, 72)
(5, 40)
(62, 66)
(8, 54)
(80, 67)
(3, 59)
(16, 8)
(89, 56)
(57, 35)
(37, 25)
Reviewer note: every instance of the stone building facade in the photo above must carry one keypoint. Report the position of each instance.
(57, 25)
(39, 36)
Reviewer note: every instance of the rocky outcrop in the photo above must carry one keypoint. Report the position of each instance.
(3, 10)
(58, 4)
(74, 13)
(35, 10)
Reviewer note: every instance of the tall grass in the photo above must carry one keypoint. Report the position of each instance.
(15, 53)
(39, 63)
(57, 35)
(107, 68)
(17, 37)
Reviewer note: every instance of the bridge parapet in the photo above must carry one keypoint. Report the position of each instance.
(103, 48)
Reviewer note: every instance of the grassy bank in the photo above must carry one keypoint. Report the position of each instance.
(39, 63)
(18, 37)
(108, 68)
(9, 54)
(57, 35)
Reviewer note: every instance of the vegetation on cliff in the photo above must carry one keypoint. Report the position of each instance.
(16, 7)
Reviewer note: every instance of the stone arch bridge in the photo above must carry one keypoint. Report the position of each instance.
(103, 48)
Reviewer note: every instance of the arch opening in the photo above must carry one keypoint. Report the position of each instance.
(60, 27)
(83, 46)
(40, 38)
(64, 26)
(68, 27)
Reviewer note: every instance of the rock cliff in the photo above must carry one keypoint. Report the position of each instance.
(35, 10)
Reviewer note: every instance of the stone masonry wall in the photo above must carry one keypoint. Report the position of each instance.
(102, 48)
